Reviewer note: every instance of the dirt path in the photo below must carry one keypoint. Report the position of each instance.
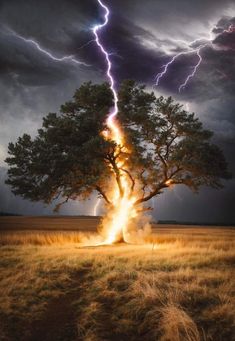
(59, 322)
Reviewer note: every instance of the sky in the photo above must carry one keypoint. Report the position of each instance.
(142, 37)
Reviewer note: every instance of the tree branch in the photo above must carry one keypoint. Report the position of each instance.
(144, 209)
(163, 162)
(131, 178)
(161, 186)
(151, 194)
(169, 144)
(178, 169)
(117, 173)
(102, 193)
(57, 207)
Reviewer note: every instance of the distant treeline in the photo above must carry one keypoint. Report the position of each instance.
(202, 223)
(9, 214)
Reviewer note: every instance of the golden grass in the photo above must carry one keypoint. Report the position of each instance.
(178, 287)
(43, 237)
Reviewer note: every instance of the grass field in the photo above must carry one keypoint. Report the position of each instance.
(177, 287)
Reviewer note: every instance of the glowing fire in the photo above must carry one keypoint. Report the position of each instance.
(116, 223)
(119, 220)
(169, 182)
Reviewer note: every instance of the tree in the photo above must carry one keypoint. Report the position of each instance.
(71, 157)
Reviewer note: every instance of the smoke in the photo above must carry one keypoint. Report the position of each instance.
(139, 229)
(135, 230)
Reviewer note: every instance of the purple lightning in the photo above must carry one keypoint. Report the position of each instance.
(106, 55)
(191, 75)
(196, 50)
(195, 67)
(166, 66)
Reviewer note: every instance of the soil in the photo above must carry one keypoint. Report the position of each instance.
(59, 321)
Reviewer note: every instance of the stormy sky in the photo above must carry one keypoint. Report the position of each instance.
(142, 37)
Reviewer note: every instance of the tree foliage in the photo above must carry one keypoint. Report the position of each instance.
(71, 158)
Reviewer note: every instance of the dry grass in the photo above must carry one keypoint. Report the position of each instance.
(43, 237)
(180, 287)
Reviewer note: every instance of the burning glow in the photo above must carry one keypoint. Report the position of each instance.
(115, 224)
(119, 220)
(169, 182)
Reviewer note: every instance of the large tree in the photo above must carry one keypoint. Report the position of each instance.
(71, 157)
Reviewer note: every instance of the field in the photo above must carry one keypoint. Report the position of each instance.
(178, 286)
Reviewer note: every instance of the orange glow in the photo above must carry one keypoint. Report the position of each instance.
(169, 182)
(115, 225)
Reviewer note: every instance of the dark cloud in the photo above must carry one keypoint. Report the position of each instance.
(216, 73)
(226, 39)
(156, 9)
(225, 23)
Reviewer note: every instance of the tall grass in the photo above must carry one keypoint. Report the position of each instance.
(42, 237)
(179, 286)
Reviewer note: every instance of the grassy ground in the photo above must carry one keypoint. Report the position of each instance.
(178, 287)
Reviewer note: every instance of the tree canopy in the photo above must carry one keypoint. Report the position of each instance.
(70, 157)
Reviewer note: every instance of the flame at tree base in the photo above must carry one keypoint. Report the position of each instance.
(124, 223)
(115, 224)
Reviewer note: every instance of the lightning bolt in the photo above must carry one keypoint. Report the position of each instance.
(114, 111)
(95, 209)
(166, 66)
(116, 225)
(191, 75)
(197, 51)
(34, 43)
(86, 44)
